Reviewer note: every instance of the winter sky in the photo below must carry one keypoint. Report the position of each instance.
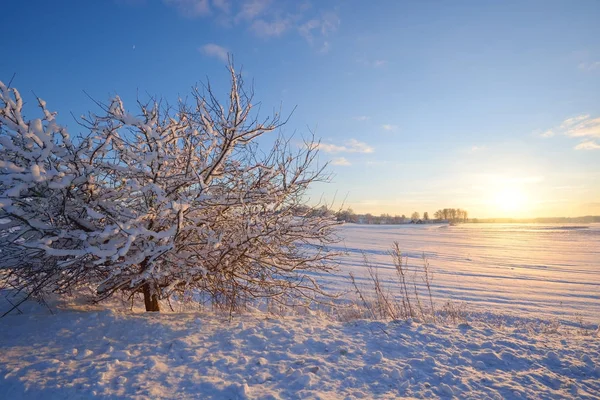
(489, 106)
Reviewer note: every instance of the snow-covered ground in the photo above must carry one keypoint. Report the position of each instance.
(113, 354)
(516, 279)
(534, 270)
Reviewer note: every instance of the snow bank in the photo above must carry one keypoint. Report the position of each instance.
(107, 354)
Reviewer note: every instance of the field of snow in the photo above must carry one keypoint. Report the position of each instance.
(533, 270)
(111, 354)
(532, 274)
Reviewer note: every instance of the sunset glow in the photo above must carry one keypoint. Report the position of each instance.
(510, 201)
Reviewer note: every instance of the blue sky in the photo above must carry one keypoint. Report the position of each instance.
(489, 106)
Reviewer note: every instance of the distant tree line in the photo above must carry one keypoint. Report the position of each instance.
(442, 215)
(348, 215)
(445, 215)
(452, 214)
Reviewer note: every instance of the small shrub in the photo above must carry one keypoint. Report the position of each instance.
(397, 301)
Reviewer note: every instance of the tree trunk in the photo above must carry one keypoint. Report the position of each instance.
(150, 298)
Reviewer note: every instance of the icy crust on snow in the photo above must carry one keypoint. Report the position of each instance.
(107, 354)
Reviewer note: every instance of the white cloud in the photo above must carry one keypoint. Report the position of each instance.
(351, 146)
(389, 127)
(361, 118)
(274, 28)
(331, 148)
(214, 50)
(265, 18)
(341, 161)
(323, 25)
(569, 122)
(251, 9)
(316, 30)
(379, 63)
(589, 66)
(588, 145)
(190, 8)
(582, 126)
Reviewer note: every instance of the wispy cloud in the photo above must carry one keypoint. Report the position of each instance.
(588, 145)
(569, 122)
(361, 118)
(351, 146)
(275, 27)
(341, 161)
(589, 66)
(583, 127)
(266, 18)
(214, 50)
(389, 127)
(190, 8)
(317, 30)
(250, 9)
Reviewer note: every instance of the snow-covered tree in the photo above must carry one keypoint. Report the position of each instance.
(164, 201)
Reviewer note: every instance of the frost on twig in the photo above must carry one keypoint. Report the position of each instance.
(159, 202)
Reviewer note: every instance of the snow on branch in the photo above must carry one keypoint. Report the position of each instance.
(160, 201)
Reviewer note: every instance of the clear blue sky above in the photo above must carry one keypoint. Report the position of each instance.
(489, 106)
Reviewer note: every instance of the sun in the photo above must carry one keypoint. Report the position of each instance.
(510, 200)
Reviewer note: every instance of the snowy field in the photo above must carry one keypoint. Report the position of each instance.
(525, 272)
(533, 270)
(109, 354)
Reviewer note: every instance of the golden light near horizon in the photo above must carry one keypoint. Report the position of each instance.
(510, 200)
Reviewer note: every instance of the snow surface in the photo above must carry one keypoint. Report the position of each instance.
(111, 354)
(533, 270)
(517, 279)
